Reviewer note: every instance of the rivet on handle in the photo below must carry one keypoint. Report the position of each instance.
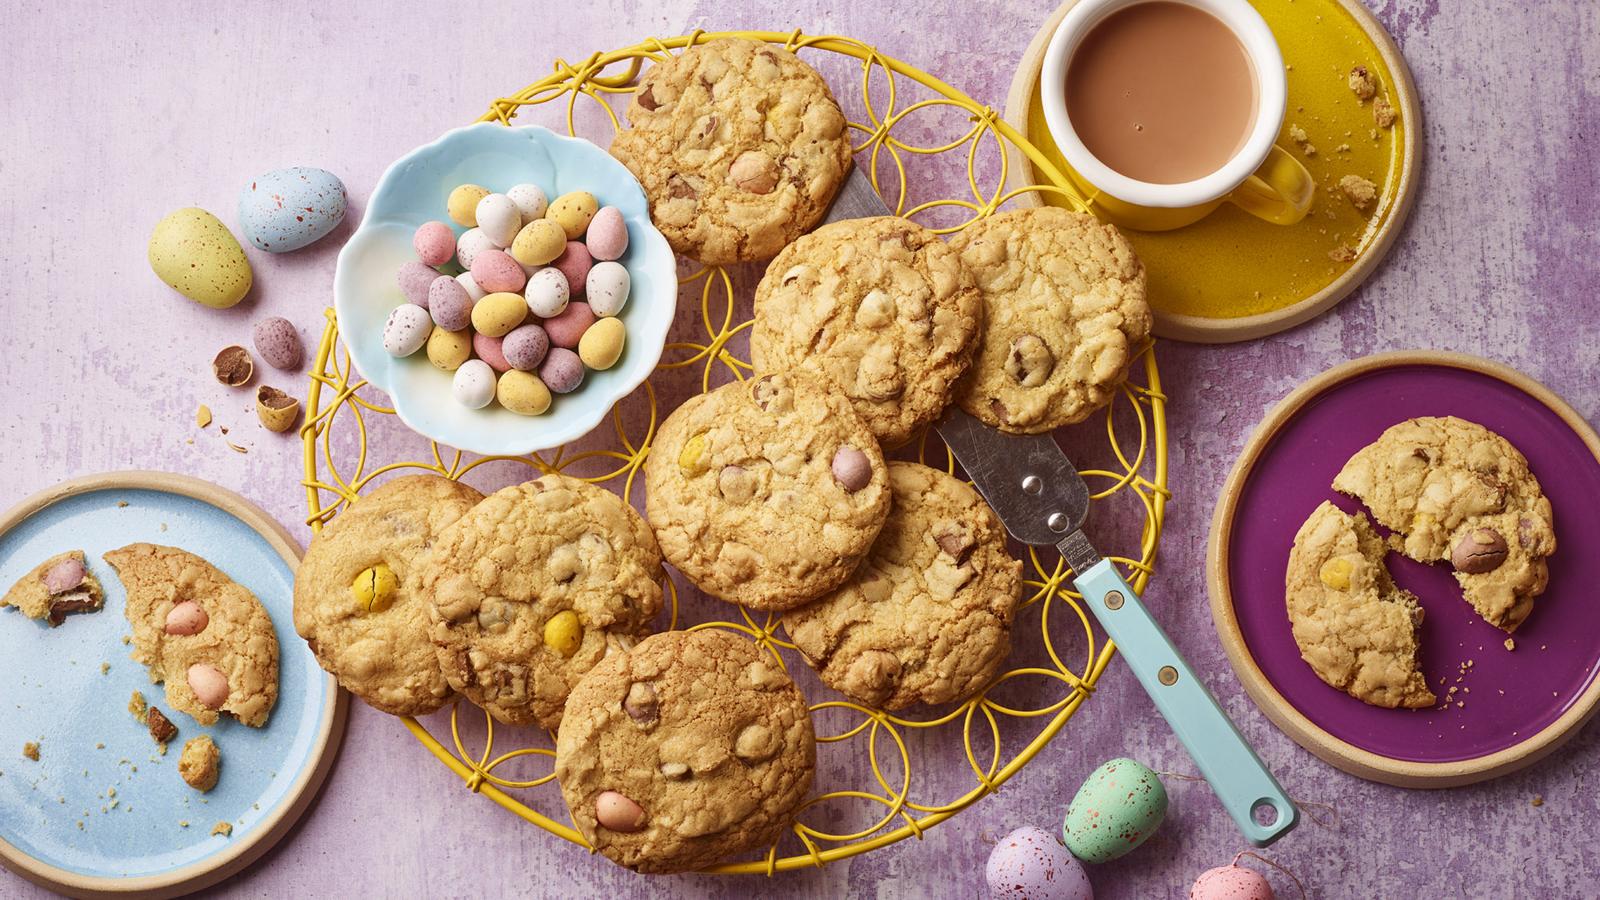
(1032, 484)
(1057, 522)
(1168, 676)
(1114, 600)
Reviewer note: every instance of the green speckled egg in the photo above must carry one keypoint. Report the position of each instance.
(193, 252)
(1119, 806)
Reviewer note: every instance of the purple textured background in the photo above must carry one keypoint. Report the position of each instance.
(1509, 695)
(117, 114)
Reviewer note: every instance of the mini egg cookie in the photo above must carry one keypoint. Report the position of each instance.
(56, 588)
(357, 600)
(1064, 316)
(534, 586)
(740, 147)
(1454, 491)
(927, 617)
(767, 493)
(883, 308)
(1355, 628)
(690, 748)
(206, 637)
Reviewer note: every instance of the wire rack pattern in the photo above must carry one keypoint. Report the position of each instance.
(1135, 428)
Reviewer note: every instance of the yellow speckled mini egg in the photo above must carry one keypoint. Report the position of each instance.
(573, 212)
(539, 242)
(497, 314)
(447, 350)
(523, 393)
(462, 204)
(193, 252)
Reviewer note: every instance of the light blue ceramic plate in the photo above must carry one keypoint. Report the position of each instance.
(58, 824)
(413, 191)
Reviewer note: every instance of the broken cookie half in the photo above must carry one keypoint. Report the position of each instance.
(1354, 627)
(56, 588)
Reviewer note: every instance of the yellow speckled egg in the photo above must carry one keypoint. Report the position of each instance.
(573, 212)
(601, 345)
(463, 204)
(498, 313)
(522, 393)
(539, 242)
(447, 350)
(193, 252)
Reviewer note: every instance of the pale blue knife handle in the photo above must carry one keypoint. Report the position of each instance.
(1239, 778)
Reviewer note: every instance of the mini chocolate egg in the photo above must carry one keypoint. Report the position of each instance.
(547, 293)
(498, 313)
(287, 209)
(496, 271)
(499, 219)
(474, 384)
(1231, 882)
(435, 243)
(562, 370)
(462, 204)
(539, 242)
(278, 343)
(607, 237)
(601, 346)
(195, 254)
(1030, 864)
(415, 279)
(449, 304)
(1118, 807)
(574, 262)
(488, 349)
(566, 329)
(573, 211)
(530, 200)
(523, 393)
(607, 288)
(469, 245)
(524, 347)
(447, 350)
(473, 291)
(407, 330)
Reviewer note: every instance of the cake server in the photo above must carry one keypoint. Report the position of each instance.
(1042, 500)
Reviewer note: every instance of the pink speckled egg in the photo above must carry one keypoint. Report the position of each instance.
(496, 271)
(414, 279)
(574, 262)
(449, 303)
(1030, 864)
(608, 234)
(567, 329)
(562, 371)
(488, 349)
(435, 243)
(525, 347)
(1231, 883)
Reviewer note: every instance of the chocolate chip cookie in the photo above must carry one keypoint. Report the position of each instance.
(767, 493)
(56, 588)
(740, 147)
(357, 599)
(207, 638)
(927, 617)
(534, 586)
(691, 747)
(883, 308)
(1454, 491)
(1355, 628)
(1064, 316)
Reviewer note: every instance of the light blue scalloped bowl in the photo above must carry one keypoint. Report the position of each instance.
(413, 191)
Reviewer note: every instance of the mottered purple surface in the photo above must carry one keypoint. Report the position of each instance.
(116, 115)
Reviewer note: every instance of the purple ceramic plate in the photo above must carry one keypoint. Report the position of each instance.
(1504, 698)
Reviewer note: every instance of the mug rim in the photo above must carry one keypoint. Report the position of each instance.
(1272, 94)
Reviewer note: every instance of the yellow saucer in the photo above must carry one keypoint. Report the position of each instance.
(1231, 276)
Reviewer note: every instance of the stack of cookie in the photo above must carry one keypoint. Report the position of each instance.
(677, 750)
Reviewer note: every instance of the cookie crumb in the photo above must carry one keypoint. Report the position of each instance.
(122, 504)
(31, 750)
(1538, 800)
(1358, 190)
(137, 706)
(1362, 84)
(202, 416)
(1383, 114)
(223, 828)
(1342, 148)
(100, 745)
(1511, 644)
(199, 765)
(235, 447)
(125, 640)
(183, 823)
(161, 727)
(1342, 253)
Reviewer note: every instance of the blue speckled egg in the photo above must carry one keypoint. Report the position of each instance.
(1030, 864)
(287, 209)
(1119, 806)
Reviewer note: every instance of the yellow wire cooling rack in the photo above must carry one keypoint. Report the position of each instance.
(886, 787)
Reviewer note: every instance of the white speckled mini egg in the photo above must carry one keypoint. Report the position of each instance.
(286, 209)
(499, 219)
(407, 329)
(607, 288)
(472, 242)
(1030, 864)
(547, 292)
(530, 200)
(474, 384)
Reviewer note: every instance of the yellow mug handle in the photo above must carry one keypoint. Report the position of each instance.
(1280, 191)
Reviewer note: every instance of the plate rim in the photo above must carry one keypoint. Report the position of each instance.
(1300, 728)
(1204, 330)
(237, 854)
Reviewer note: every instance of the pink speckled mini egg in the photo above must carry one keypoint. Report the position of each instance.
(496, 271)
(489, 350)
(1030, 864)
(435, 243)
(567, 328)
(574, 262)
(1231, 883)
(608, 234)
